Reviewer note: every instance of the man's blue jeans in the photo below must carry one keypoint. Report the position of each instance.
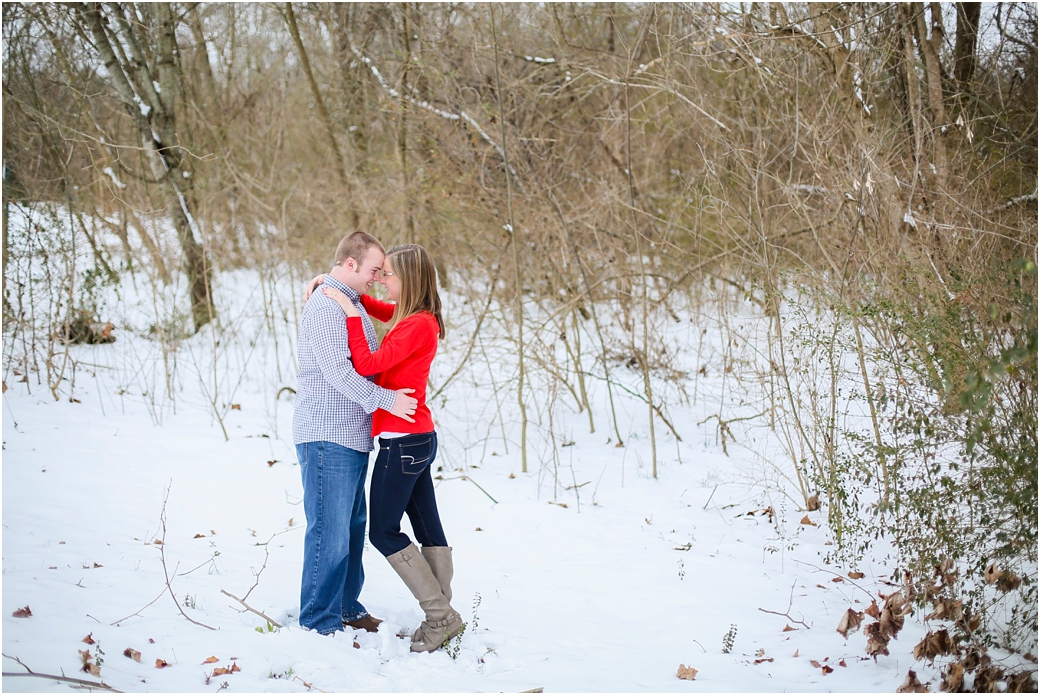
(334, 502)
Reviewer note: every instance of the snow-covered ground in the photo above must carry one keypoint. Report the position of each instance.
(583, 574)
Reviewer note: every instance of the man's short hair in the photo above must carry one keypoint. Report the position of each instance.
(355, 246)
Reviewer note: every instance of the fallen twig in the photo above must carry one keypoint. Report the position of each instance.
(162, 557)
(308, 685)
(139, 611)
(63, 679)
(466, 477)
(787, 615)
(251, 609)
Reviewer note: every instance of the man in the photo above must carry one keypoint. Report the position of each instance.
(332, 430)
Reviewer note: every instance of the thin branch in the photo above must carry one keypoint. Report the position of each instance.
(787, 615)
(162, 557)
(251, 609)
(142, 609)
(63, 679)
(89, 685)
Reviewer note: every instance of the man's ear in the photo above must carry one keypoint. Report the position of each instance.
(350, 264)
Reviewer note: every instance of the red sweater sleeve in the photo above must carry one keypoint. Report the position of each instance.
(408, 337)
(379, 310)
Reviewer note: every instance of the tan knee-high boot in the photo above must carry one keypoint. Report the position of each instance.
(439, 559)
(442, 621)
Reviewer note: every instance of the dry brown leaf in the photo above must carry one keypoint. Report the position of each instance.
(788, 628)
(291, 521)
(357, 646)
(953, 678)
(763, 660)
(856, 575)
(686, 673)
(825, 669)
(512, 476)
(1028, 656)
(807, 521)
(1022, 682)
(815, 663)
(157, 541)
(159, 663)
(199, 535)
(934, 644)
(877, 643)
(850, 620)
(912, 685)
(211, 660)
(843, 664)
(986, 679)
(221, 671)
(1009, 582)
(235, 668)
(893, 614)
(837, 580)
(89, 639)
(236, 406)
(132, 654)
(23, 612)
(151, 641)
(272, 462)
(813, 503)
(89, 666)
(795, 653)
(946, 609)
(872, 610)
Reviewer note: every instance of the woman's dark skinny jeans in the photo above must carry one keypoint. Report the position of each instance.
(402, 484)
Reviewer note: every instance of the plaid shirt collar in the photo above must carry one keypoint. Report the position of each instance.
(351, 293)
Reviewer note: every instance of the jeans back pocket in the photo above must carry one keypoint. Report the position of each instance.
(415, 456)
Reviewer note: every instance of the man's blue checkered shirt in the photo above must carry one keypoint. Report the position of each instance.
(333, 402)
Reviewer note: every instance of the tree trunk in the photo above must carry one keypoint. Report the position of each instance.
(154, 116)
(930, 46)
(967, 37)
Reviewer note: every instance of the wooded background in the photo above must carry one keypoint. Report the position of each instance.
(588, 161)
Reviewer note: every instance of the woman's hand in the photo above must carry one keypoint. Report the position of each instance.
(311, 286)
(341, 299)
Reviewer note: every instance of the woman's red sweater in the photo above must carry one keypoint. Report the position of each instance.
(402, 361)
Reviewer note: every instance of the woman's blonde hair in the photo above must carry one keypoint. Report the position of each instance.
(418, 276)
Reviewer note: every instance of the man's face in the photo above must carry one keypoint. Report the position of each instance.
(364, 273)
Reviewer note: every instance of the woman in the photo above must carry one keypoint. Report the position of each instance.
(401, 479)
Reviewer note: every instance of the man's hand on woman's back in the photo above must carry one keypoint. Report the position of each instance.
(404, 405)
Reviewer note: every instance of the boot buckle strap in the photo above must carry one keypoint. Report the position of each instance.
(444, 623)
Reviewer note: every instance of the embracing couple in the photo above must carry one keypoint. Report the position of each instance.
(351, 389)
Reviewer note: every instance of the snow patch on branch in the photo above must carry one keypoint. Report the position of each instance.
(1028, 198)
(145, 108)
(422, 104)
(112, 175)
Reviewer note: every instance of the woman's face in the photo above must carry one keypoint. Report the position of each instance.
(390, 281)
